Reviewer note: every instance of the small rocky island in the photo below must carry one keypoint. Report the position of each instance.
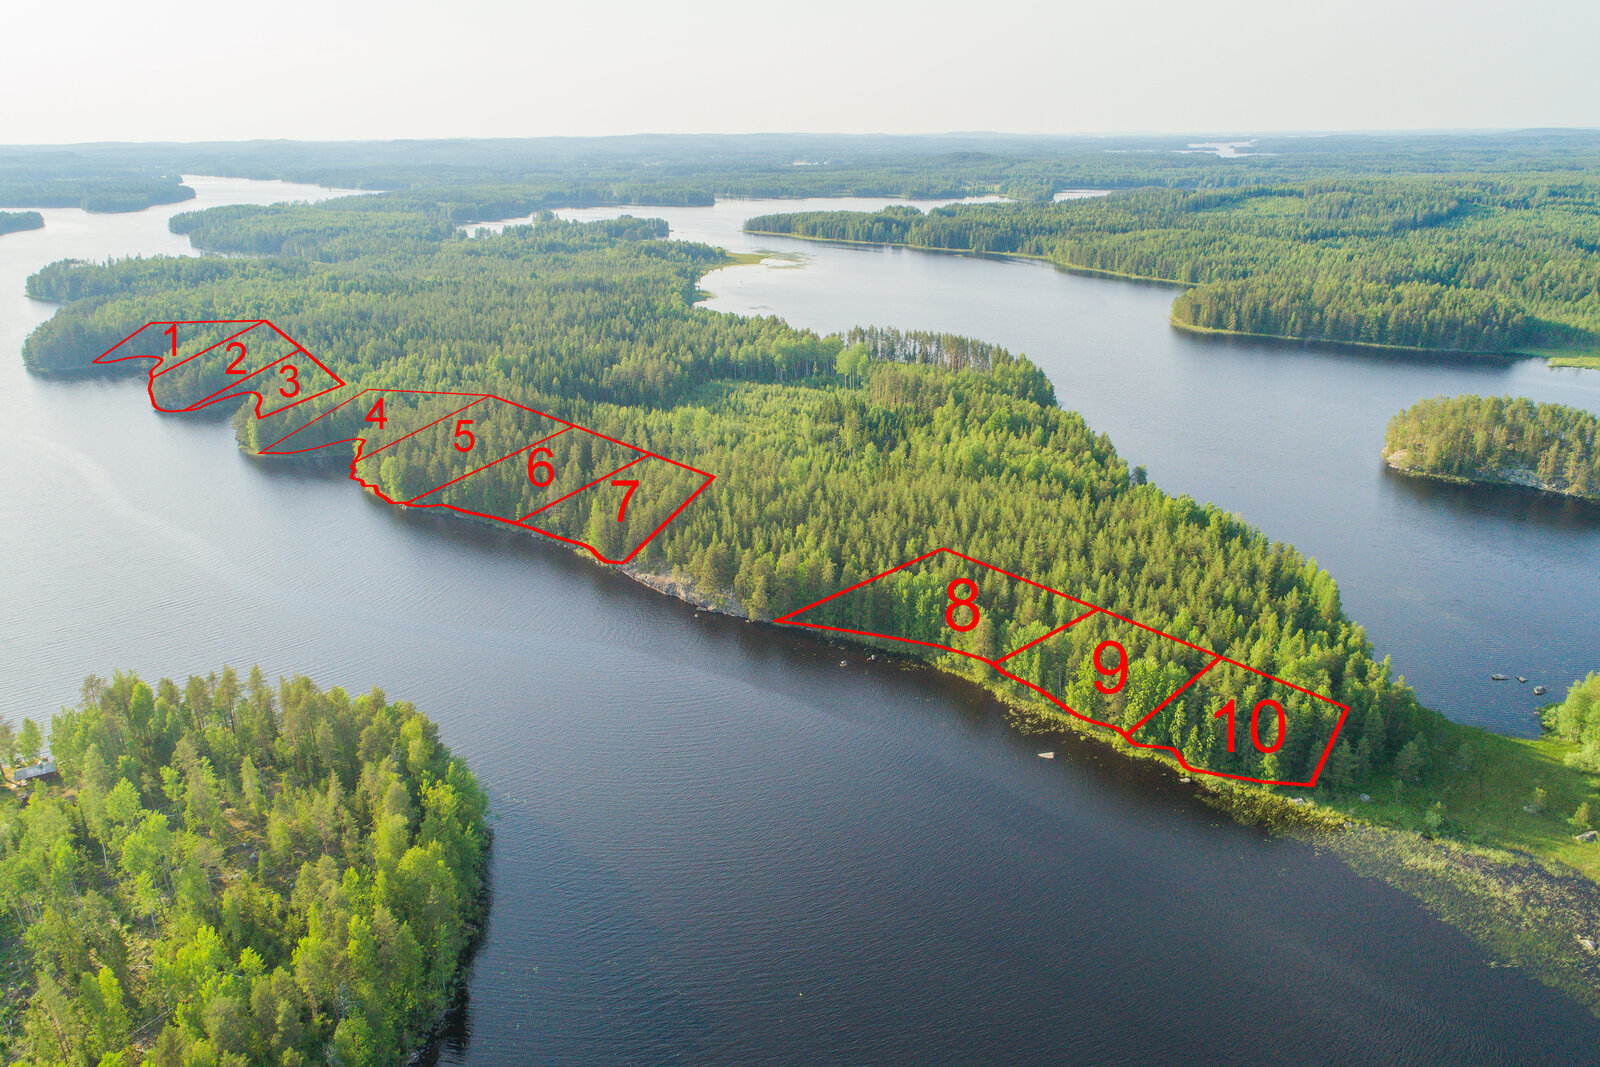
(1500, 440)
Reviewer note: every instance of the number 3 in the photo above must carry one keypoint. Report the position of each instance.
(291, 372)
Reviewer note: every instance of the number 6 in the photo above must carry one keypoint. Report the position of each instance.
(534, 465)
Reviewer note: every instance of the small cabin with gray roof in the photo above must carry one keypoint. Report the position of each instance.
(42, 769)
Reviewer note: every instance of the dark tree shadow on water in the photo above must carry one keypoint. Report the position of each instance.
(1509, 503)
(453, 1032)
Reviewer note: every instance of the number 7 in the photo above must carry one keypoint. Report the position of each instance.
(622, 512)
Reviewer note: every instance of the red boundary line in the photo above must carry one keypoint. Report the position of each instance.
(227, 393)
(788, 619)
(1040, 640)
(479, 470)
(581, 488)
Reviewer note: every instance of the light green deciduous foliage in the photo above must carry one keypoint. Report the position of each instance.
(1577, 718)
(237, 874)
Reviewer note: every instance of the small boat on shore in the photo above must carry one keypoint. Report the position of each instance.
(1499, 677)
(1539, 690)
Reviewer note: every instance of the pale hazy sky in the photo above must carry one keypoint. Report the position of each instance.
(324, 69)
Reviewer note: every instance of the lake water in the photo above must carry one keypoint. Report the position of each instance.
(715, 842)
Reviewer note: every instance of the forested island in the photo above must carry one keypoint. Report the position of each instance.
(47, 180)
(234, 872)
(15, 221)
(1505, 440)
(1446, 264)
(840, 456)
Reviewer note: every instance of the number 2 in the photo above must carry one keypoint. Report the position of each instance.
(233, 368)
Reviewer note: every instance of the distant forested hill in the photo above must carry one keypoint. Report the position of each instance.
(693, 169)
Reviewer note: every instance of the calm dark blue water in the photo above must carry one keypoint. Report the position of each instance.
(715, 842)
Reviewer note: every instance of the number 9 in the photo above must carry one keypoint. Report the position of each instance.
(1119, 671)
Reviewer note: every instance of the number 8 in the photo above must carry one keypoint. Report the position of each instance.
(966, 601)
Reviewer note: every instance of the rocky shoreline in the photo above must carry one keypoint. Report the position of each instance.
(1519, 477)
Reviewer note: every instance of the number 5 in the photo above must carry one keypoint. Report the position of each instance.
(462, 431)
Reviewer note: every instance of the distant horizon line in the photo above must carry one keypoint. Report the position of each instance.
(1457, 131)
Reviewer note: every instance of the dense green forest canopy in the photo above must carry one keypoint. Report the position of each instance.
(13, 221)
(836, 457)
(1459, 262)
(1499, 439)
(235, 873)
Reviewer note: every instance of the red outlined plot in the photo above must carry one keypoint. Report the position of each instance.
(171, 343)
(619, 512)
(369, 420)
(198, 364)
(448, 449)
(1108, 669)
(1212, 714)
(937, 600)
(474, 453)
